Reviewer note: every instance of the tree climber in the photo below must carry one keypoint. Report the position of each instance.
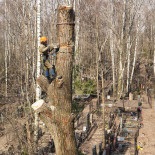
(45, 50)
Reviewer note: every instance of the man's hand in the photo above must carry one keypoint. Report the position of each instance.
(50, 47)
(56, 48)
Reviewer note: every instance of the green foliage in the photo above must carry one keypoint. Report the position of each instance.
(80, 153)
(139, 103)
(89, 87)
(75, 71)
(24, 152)
(77, 107)
(85, 87)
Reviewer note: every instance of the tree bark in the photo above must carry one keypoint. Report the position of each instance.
(58, 118)
(38, 90)
(6, 54)
(112, 52)
(103, 109)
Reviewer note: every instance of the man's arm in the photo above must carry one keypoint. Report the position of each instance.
(43, 49)
(51, 47)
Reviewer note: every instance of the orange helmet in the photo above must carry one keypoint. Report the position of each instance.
(43, 39)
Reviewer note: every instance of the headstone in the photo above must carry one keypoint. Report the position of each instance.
(51, 146)
(87, 121)
(20, 111)
(77, 121)
(94, 152)
(130, 97)
(83, 136)
(2, 118)
(120, 139)
(75, 124)
(100, 149)
(108, 97)
(91, 119)
(120, 147)
(139, 99)
(40, 133)
(84, 128)
(78, 139)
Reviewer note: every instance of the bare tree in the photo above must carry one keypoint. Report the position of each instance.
(57, 114)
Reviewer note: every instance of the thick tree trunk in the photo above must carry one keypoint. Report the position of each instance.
(57, 113)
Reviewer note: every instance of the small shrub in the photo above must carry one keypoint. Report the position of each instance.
(85, 87)
(77, 107)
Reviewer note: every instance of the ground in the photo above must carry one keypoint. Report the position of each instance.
(146, 134)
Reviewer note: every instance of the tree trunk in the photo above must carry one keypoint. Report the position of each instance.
(112, 52)
(135, 51)
(6, 54)
(97, 56)
(38, 90)
(122, 41)
(128, 62)
(103, 109)
(57, 115)
(154, 60)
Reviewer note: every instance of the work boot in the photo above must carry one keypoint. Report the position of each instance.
(49, 79)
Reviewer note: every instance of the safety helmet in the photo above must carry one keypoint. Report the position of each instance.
(43, 39)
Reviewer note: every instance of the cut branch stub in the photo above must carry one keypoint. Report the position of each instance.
(43, 82)
(40, 106)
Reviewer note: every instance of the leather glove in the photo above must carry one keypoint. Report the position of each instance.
(56, 49)
(51, 47)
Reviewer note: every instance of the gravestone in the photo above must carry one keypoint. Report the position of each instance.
(2, 118)
(76, 123)
(20, 111)
(139, 98)
(108, 97)
(130, 97)
(78, 139)
(91, 119)
(94, 152)
(100, 149)
(88, 122)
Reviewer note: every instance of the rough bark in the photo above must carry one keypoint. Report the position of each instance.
(38, 90)
(103, 110)
(57, 113)
(112, 52)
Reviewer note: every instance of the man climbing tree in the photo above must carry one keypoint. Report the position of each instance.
(56, 114)
(45, 51)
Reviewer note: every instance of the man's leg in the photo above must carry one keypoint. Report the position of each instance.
(51, 70)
